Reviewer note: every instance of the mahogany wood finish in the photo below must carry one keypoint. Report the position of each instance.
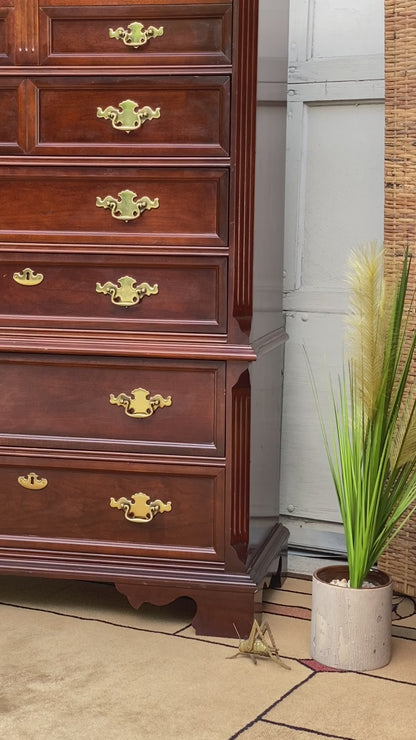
(50, 205)
(191, 297)
(197, 33)
(192, 529)
(66, 349)
(193, 116)
(71, 405)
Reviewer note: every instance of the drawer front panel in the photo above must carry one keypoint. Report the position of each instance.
(117, 294)
(116, 404)
(154, 206)
(73, 510)
(12, 119)
(113, 33)
(6, 33)
(152, 116)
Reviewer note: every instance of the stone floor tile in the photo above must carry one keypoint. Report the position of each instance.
(99, 601)
(262, 730)
(63, 677)
(402, 666)
(299, 585)
(352, 706)
(288, 598)
(292, 636)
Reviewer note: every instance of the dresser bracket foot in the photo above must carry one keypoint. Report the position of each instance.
(231, 601)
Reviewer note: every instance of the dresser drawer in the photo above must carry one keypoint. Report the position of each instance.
(60, 504)
(112, 207)
(140, 116)
(182, 32)
(114, 404)
(173, 294)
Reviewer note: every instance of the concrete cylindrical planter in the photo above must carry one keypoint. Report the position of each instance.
(351, 627)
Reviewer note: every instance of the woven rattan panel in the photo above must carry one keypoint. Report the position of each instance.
(400, 211)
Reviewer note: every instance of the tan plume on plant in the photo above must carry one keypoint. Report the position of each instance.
(367, 323)
(371, 438)
(404, 441)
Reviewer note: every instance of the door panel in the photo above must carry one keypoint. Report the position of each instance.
(334, 202)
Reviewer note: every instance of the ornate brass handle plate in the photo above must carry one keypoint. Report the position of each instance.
(126, 293)
(32, 482)
(135, 35)
(140, 404)
(139, 508)
(28, 277)
(128, 116)
(127, 207)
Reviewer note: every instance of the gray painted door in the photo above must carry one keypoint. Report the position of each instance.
(333, 202)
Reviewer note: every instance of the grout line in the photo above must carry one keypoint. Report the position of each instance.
(403, 628)
(261, 717)
(268, 709)
(292, 606)
(85, 619)
(211, 641)
(196, 638)
(182, 629)
(289, 616)
(289, 591)
(274, 605)
(306, 729)
(122, 626)
(382, 678)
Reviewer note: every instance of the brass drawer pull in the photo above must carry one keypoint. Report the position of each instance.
(126, 293)
(127, 207)
(27, 277)
(139, 404)
(136, 35)
(128, 117)
(139, 508)
(32, 482)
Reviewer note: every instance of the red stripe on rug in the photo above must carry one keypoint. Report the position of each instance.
(318, 667)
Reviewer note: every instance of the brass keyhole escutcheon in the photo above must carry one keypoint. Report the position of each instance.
(27, 277)
(128, 116)
(139, 508)
(136, 35)
(32, 482)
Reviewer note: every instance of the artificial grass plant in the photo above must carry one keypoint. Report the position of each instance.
(370, 439)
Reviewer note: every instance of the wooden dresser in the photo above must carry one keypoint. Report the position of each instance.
(126, 228)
